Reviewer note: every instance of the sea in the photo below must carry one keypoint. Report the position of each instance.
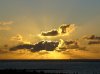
(53, 66)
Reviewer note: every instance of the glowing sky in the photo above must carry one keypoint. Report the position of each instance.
(22, 21)
(39, 15)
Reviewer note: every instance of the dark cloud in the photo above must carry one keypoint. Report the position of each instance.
(50, 33)
(48, 46)
(94, 42)
(63, 29)
(92, 37)
(72, 44)
(23, 46)
(66, 45)
(42, 45)
(69, 42)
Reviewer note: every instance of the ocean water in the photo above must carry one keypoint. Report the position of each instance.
(54, 66)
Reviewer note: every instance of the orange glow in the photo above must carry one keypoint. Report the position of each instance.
(68, 54)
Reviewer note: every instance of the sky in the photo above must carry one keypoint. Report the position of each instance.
(28, 18)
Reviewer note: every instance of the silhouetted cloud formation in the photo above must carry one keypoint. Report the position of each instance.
(50, 33)
(69, 42)
(63, 29)
(92, 37)
(48, 46)
(94, 42)
(42, 45)
(64, 45)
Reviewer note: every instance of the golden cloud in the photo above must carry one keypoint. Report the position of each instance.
(64, 29)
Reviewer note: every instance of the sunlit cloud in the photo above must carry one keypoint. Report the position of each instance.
(64, 29)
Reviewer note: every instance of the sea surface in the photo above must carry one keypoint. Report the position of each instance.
(53, 66)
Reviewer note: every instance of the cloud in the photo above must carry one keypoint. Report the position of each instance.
(91, 37)
(57, 49)
(69, 42)
(63, 30)
(42, 45)
(66, 28)
(49, 46)
(22, 46)
(65, 45)
(50, 33)
(94, 42)
(6, 23)
(63, 49)
(92, 53)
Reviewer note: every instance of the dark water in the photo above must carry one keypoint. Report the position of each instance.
(54, 66)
